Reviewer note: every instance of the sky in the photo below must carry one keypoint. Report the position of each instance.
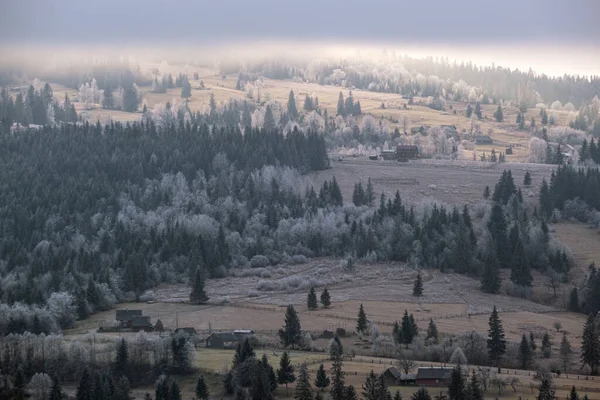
(529, 27)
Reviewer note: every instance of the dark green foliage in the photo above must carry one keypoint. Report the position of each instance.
(123, 390)
(201, 390)
(56, 392)
(175, 391)
(474, 391)
(303, 389)
(496, 343)
(198, 295)
(325, 298)
(469, 111)
(546, 346)
(285, 373)
(525, 356)
(321, 380)
(407, 330)
(486, 192)
(269, 121)
(292, 110)
(336, 349)
(546, 390)
(499, 114)
(186, 89)
(369, 388)
(397, 396)
(527, 179)
(456, 387)
(85, 387)
(261, 387)
(520, 273)
(478, 112)
(432, 332)
(350, 393)
(361, 324)
(122, 360)
(338, 380)
(574, 301)
(490, 278)
(532, 342)
(573, 394)
(311, 301)
(590, 345)
(418, 286)
(291, 333)
(421, 394)
(341, 108)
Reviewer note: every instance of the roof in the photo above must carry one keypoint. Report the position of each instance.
(408, 377)
(243, 332)
(224, 336)
(433, 373)
(141, 320)
(394, 372)
(482, 137)
(126, 315)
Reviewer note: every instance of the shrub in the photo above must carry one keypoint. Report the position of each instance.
(259, 261)
(299, 259)
(266, 286)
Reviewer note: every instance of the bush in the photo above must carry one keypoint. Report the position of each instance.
(148, 296)
(266, 286)
(299, 259)
(259, 261)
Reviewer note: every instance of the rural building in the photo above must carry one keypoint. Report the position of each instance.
(433, 376)
(406, 152)
(483, 139)
(125, 317)
(223, 340)
(393, 377)
(141, 323)
(388, 154)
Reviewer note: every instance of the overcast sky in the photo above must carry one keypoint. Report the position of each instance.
(481, 23)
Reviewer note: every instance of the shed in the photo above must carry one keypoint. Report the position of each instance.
(406, 152)
(391, 376)
(433, 376)
(125, 317)
(483, 139)
(222, 340)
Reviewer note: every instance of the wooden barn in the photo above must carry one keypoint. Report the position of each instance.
(433, 376)
(406, 152)
(222, 340)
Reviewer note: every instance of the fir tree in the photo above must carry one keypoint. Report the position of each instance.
(291, 333)
(406, 332)
(201, 390)
(490, 278)
(175, 391)
(325, 298)
(544, 117)
(269, 120)
(573, 394)
(338, 380)
(370, 193)
(85, 387)
(432, 332)
(527, 179)
(341, 109)
(285, 373)
(369, 388)
(469, 111)
(532, 341)
(292, 110)
(496, 343)
(574, 301)
(311, 301)
(590, 345)
(122, 360)
(565, 352)
(477, 111)
(520, 273)
(361, 325)
(321, 380)
(123, 390)
(397, 396)
(198, 295)
(303, 389)
(499, 114)
(186, 89)
(474, 391)
(524, 353)
(350, 393)
(486, 193)
(546, 390)
(418, 286)
(456, 388)
(546, 346)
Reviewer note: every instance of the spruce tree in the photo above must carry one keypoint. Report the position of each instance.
(325, 298)
(85, 387)
(350, 393)
(590, 345)
(566, 352)
(474, 391)
(456, 388)
(469, 111)
(524, 353)
(546, 346)
(369, 388)
(496, 343)
(574, 301)
(397, 396)
(341, 109)
(321, 380)
(198, 295)
(383, 393)
(573, 394)
(532, 342)
(201, 390)
(527, 179)
(432, 332)
(269, 120)
(520, 273)
(486, 193)
(361, 324)
(418, 286)
(303, 389)
(56, 392)
(291, 333)
(490, 278)
(499, 114)
(338, 380)
(370, 193)
(122, 389)
(186, 89)
(546, 390)
(122, 360)
(285, 373)
(311, 301)
(421, 394)
(477, 111)
(406, 330)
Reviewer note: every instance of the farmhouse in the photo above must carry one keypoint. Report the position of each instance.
(483, 139)
(393, 377)
(125, 317)
(433, 376)
(222, 340)
(406, 152)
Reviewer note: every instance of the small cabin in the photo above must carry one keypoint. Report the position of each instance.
(483, 139)
(433, 376)
(406, 152)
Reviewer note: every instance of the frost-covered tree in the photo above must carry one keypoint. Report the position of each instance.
(63, 308)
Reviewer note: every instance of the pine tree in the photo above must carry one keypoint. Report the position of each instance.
(85, 387)
(291, 333)
(285, 373)
(397, 396)
(499, 114)
(56, 392)
(325, 298)
(421, 394)
(186, 89)
(361, 324)
(590, 345)
(311, 301)
(406, 331)
(418, 286)
(201, 390)
(525, 353)
(269, 120)
(456, 388)
(474, 391)
(496, 343)
(123, 390)
(338, 380)
(477, 111)
(303, 389)
(341, 109)
(490, 278)
(527, 179)
(546, 390)
(520, 273)
(122, 361)
(565, 353)
(432, 332)
(546, 346)
(292, 110)
(198, 295)
(321, 380)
